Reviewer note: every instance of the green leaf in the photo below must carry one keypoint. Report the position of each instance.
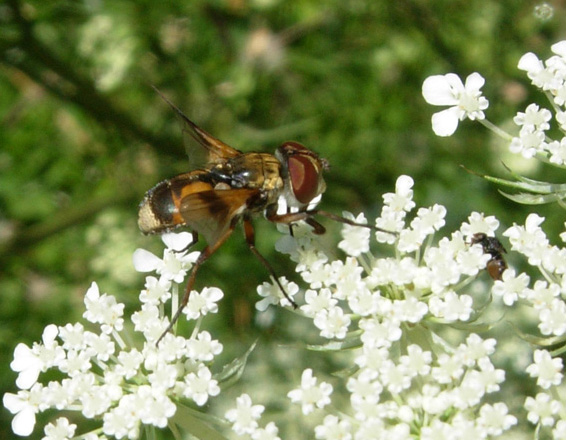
(193, 422)
(533, 199)
(523, 183)
(347, 344)
(234, 370)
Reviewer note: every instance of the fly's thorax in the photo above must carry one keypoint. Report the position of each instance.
(250, 170)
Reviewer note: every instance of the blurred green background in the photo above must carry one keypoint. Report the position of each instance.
(83, 135)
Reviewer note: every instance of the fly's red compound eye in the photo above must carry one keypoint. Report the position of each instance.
(305, 169)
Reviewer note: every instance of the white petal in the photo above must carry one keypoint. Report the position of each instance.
(28, 377)
(439, 89)
(13, 403)
(23, 355)
(559, 48)
(404, 184)
(49, 334)
(212, 293)
(145, 261)
(474, 82)
(177, 241)
(530, 63)
(92, 293)
(24, 422)
(444, 123)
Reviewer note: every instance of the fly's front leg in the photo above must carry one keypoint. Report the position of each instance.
(339, 218)
(307, 216)
(292, 217)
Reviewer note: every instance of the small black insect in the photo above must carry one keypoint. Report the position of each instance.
(492, 246)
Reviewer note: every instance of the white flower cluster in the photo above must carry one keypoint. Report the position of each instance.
(123, 387)
(543, 298)
(401, 388)
(405, 378)
(466, 101)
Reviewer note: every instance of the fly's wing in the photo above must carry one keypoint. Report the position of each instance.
(211, 213)
(202, 147)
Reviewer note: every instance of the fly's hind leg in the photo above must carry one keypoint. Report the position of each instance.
(250, 240)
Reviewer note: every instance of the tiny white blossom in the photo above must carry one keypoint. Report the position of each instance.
(379, 333)
(546, 369)
(548, 76)
(244, 417)
(559, 432)
(60, 430)
(332, 323)
(268, 433)
(552, 319)
(475, 349)
(542, 409)
(395, 377)
(466, 101)
(203, 348)
(534, 118)
(389, 220)
(364, 388)
(333, 428)
(355, 238)
(416, 361)
(511, 286)
(173, 266)
(449, 368)
(163, 377)
(156, 290)
(452, 307)
(557, 151)
(99, 346)
(528, 143)
(472, 260)
(402, 198)
(526, 239)
(103, 309)
(410, 240)
(310, 394)
(437, 430)
(479, 222)
(318, 301)
(72, 336)
(202, 303)
(76, 363)
(149, 321)
(128, 363)
(429, 220)
(543, 295)
(495, 418)
(410, 310)
(200, 386)
(29, 362)
(272, 294)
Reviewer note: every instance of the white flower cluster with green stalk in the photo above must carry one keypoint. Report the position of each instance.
(465, 101)
(107, 377)
(407, 379)
(545, 297)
